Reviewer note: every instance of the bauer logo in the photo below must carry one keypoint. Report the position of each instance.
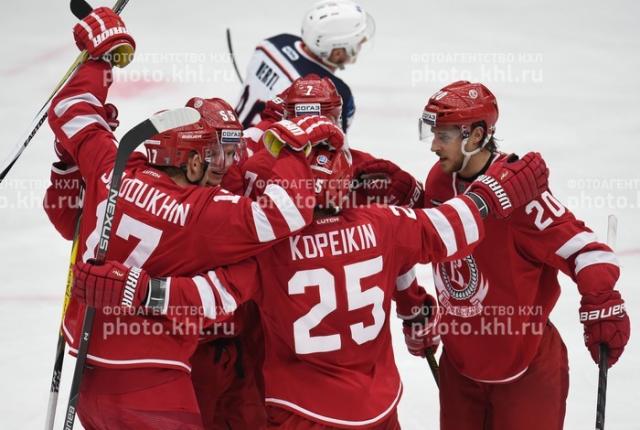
(429, 118)
(307, 109)
(231, 137)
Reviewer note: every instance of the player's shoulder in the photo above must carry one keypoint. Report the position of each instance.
(283, 39)
(375, 214)
(359, 157)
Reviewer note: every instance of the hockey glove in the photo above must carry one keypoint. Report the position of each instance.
(111, 284)
(286, 133)
(321, 129)
(381, 181)
(420, 333)
(508, 185)
(605, 321)
(103, 34)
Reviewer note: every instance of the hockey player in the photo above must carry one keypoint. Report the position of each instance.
(325, 294)
(333, 32)
(379, 181)
(165, 222)
(511, 371)
(226, 391)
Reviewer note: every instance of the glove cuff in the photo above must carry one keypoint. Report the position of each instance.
(158, 296)
(480, 203)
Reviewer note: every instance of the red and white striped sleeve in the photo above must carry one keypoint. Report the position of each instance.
(77, 117)
(409, 295)
(448, 232)
(557, 238)
(212, 296)
(234, 227)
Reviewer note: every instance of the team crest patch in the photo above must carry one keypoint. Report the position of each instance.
(461, 287)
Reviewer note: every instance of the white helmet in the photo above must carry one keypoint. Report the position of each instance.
(332, 24)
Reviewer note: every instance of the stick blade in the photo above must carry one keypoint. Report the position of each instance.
(80, 8)
(174, 118)
(612, 231)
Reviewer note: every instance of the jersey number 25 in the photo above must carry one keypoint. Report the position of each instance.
(304, 342)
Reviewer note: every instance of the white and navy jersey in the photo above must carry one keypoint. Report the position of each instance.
(275, 64)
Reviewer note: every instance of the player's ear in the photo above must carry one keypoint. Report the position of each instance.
(195, 167)
(475, 138)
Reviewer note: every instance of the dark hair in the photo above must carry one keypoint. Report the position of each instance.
(491, 145)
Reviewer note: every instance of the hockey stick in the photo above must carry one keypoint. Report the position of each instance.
(603, 365)
(80, 8)
(233, 57)
(57, 365)
(158, 123)
(433, 366)
(77, 7)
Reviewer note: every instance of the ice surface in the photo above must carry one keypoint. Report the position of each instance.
(568, 89)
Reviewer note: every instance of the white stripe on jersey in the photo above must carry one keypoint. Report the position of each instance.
(228, 302)
(285, 205)
(64, 104)
(262, 224)
(405, 280)
(325, 419)
(444, 230)
(124, 362)
(206, 297)
(468, 221)
(595, 257)
(575, 244)
(77, 123)
(138, 361)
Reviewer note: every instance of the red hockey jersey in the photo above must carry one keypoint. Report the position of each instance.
(158, 225)
(497, 299)
(63, 199)
(324, 296)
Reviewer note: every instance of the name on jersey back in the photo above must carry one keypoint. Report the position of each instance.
(334, 242)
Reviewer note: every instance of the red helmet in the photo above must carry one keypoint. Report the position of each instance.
(461, 103)
(332, 173)
(312, 95)
(218, 125)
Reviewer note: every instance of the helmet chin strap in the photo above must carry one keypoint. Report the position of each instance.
(469, 154)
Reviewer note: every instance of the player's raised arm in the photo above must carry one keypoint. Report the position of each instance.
(77, 115)
(452, 230)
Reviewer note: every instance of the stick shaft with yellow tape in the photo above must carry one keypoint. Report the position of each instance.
(57, 366)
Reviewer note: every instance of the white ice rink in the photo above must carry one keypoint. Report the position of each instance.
(565, 74)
